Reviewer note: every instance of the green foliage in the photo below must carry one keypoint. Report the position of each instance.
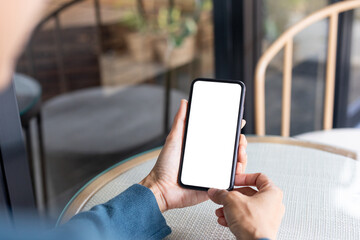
(279, 14)
(176, 26)
(134, 21)
(206, 5)
(172, 22)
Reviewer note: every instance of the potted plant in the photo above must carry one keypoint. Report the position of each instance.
(205, 33)
(176, 42)
(139, 40)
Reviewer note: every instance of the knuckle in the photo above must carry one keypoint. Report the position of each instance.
(232, 196)
(277, 191)
(282, 209)
(219, 195)
(280, 193)
(263, 176)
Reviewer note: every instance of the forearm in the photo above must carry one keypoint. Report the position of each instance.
(134, 214)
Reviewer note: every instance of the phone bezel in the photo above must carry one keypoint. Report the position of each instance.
(238, 131)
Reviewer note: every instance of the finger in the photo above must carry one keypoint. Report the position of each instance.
(222, 222)
(217, 195)
(239, 168)
(243, 160)
(201, 196)
(246, 191)
(179, 120)
(243, 123)
(181, 114)
(242, 155)
(259, 180)
(219, 212)
(243, 140)
(242, 148)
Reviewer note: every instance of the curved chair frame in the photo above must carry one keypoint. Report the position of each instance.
(59, 49)
(77, 203)
(35, 111)
(286, 41)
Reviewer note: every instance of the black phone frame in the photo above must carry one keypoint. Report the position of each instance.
(238, 131)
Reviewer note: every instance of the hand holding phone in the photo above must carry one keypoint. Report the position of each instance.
(163, 178)
(211, 138)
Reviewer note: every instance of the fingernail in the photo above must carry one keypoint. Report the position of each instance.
(243, 123)
(212, 191)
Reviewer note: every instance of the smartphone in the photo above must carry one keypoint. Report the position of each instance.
(211, 137)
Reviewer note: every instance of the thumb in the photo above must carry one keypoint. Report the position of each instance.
(217, 195)
(179, 120)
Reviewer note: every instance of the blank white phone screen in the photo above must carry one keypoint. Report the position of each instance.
(211, 134)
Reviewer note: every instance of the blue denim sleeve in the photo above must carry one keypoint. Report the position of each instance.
(133, 214)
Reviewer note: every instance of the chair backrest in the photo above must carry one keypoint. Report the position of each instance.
(57, 52)
(285, 41)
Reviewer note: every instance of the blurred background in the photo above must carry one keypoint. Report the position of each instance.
(101, 80)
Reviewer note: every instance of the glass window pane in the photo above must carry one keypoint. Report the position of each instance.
(354, 85)
(309, 61)
(104, 85)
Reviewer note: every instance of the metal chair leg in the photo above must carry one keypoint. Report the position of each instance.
(167, 102)
(30, 155)
(42, 160)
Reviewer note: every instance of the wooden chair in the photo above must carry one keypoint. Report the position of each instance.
(285, 41)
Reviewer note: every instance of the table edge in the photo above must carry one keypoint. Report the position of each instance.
(302, 143)
(79, 200)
